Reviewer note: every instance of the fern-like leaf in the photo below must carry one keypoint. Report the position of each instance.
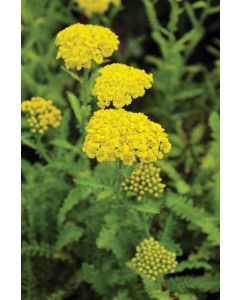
(94, 277)
(184, 209)
(68, 234)
(154, 291)
(28, 280)
(73, 198)
(206, 283)
(187, 265)
(37, 249)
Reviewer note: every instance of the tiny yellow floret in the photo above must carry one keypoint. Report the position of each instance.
(119, 134)
(144, 179)
(81, 45)
(120, 84)
(91, 7)
(153, 260)
(41, 114)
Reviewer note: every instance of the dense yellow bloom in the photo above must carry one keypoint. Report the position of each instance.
(41, 114)
(96, 6)
(80, 45)
(120, 84)
(145, 179)
(113, 134)
(153, 260)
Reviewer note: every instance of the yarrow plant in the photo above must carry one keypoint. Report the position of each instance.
(120, 84)
(130, 137)
(145, 179)
(91, 7)
(81, 45)
(41, 114)
(84, 214)
(153, 260)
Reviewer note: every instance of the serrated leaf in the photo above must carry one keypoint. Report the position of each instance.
(37, 249)
(147, 206)
(73, 198)
(153, 288)
(204, 283)
(68, 234)
(93, 183)
(94, 277)
(187, 265)
(185, 209)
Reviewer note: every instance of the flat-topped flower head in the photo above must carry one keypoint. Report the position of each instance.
(119, 134)
(81, 45)
(41, 114)
(153, 260)
(145, 179)
(91, 7)
(120, 84)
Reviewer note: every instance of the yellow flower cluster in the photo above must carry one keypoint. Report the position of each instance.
(120, 84)
(113, 134)
(153, 260)
(96, 6)
(145, 179)
(80, 45)
(41, 114)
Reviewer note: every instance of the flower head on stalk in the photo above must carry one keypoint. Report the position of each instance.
(120, 84)
(41, 114)
(91, 7)
(81, 45)
(119, 134)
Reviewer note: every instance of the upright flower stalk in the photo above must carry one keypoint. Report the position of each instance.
(42, 114)
(117, 135)
(82, 48)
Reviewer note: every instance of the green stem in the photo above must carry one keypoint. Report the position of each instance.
(41, 149)
(119, 178)
(84, 87)
(146, 226)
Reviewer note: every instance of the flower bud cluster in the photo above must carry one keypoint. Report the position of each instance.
(145, 179)
(153, 260)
